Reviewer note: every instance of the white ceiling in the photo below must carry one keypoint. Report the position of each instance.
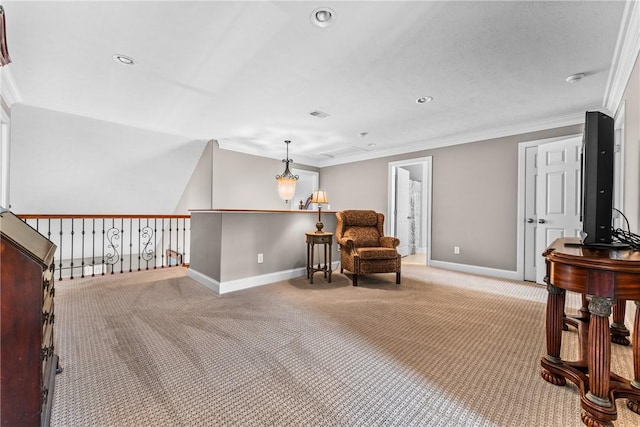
(248, 74)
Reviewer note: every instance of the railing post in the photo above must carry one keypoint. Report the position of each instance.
(93, 247)
(60, 248)
(82, 264)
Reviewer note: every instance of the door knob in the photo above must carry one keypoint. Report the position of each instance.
(530, 220)
(542, 221)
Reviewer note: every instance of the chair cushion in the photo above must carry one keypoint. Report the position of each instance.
(377, 253)
(362, 236)
(360, 218)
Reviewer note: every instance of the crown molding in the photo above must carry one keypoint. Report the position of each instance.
(8, 88)
(625, 56)
(557, 122)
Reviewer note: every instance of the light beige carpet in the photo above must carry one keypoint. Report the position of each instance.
(442, 349)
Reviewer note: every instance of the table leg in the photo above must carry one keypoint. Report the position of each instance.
(598, 410)
(634, 404)
(330, 262)
(584, 310)
(555, 312)
(308, 262)
(325, 260)
(312, 264)
(619, 331)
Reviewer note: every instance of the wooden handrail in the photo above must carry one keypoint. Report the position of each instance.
(80, 216)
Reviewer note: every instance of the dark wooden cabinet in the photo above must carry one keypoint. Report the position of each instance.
(28, 362)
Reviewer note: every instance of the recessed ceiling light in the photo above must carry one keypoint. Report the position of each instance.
(323, 17)
(124, 59)
(424, 99)
(575, 78)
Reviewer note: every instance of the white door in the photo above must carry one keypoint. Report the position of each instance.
(557, 196)
(403, 210)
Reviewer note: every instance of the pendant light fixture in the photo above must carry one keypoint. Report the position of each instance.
(4, 51)
(287, 181)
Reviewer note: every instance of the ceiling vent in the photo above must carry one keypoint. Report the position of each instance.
(319, 114)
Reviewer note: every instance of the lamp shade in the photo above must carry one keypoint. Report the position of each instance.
(319, 196)
(286, 187)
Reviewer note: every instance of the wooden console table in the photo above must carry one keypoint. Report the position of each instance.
(315, 238)
(606, 276)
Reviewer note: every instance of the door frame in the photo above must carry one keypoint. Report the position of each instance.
(306, 175)
(520, 217)
(618, 168)
(427, 181)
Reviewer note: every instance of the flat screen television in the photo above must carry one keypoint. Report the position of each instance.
(597, 178)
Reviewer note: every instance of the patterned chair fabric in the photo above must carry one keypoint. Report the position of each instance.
(364, 248)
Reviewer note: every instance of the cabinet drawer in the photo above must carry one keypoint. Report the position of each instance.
(319, 239)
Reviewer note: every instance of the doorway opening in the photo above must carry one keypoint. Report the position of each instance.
(306, 185)
(409, 208)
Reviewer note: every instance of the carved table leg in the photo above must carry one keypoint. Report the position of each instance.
(619, 332)
(312, 264)
(555, 312)
(326, 271)
(309, 265)
(598, 410)
(634, 404)
(330, 262)
(582, 315)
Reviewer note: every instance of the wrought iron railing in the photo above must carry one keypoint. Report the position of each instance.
(90, 245)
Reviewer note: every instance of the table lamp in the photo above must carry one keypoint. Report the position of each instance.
(319, 197)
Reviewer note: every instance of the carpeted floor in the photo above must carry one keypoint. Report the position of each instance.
(442, 349)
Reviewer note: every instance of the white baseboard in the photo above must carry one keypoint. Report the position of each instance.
(248, 282)
(204, 280)
(474, 269)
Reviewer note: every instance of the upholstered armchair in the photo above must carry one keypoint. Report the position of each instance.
(364, 248)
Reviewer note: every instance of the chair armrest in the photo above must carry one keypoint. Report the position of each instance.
(389, 242)
(347, 243)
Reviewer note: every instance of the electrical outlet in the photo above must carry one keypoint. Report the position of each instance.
(456, 250)
(260, 258)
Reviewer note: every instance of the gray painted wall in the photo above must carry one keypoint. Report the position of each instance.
(474, 196)
(225, 245)
(244, 181)
(198, 194)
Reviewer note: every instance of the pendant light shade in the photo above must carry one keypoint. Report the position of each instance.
(287, 181)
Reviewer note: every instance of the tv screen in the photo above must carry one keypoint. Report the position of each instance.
(597, 178)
